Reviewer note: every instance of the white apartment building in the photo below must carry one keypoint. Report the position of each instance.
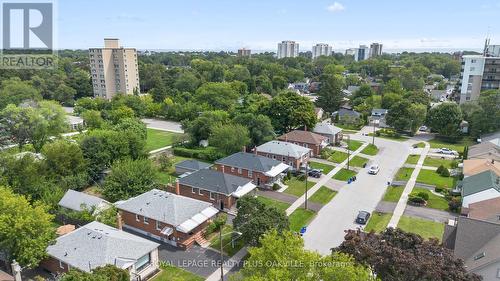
(113, 69)
(350, 51)
(362, 53)
(375, 50)
(321, 50)
(479, 73)
(288, 49)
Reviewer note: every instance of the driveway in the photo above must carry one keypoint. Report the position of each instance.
(429, 214)
(163, 125)
(327, 229)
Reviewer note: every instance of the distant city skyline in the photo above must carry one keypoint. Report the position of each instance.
(259, 25)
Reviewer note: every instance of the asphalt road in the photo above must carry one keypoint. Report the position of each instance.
(163, 125)
(327, 229)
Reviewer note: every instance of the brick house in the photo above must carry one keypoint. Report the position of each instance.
(95, 244)
(217, 188)
(313, 141)
(291, 154)
(334, 134)
(263, 171)
(177, 220)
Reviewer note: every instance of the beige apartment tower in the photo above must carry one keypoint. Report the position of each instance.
(113, 69)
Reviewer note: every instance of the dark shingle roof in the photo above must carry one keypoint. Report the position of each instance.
(347, 112)
(192, 165)
(302, 136)
(214, 181)
(249, 161)
(480, 182)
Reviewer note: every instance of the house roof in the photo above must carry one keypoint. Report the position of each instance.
(484, 150)
(167, 207)
(348, 112)
(192, 164)
(249, 161)
(74, 200)
(488, 210)
(283, 148)
(477, 242)
(476, 166)
(74, 120)
(326, 129)
(303, 136)
(480, 182)
(96, 244)
(214, 181)
(379, 111)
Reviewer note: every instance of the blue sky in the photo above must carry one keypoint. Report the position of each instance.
(260, 24)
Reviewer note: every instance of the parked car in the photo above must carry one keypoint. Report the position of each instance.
(445, 150)
(362, 217)
(315, 173)
(374, 169)
(423, 129)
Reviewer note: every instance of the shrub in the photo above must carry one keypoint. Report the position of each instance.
(415, 199)
(208, 153)
(301, 177)
(438, 189)
(454, 204)
(216, 224)
(423, 195)
(377, 133)
(454, 164)
(325, 153)
(445, 172)
(440, 169)
(276, 186)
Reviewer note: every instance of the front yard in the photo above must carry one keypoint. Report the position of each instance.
(434, 201)
(158, 139)
(436, 162)
(282, 206)
(370, 150)
(323, 195)
(433, 178)
(297, 187)
(337, 156)
(458, 146)
(344, 174)
(412, 159)
(172, 273)
(393, 193)
(425, 228)
(321, 166)
(299, 218)
(227, 245)
(404, 174)
(358, 161)
(354, 144)
(378, 222)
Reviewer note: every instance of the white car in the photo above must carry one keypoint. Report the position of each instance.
(423, 129)
(373, 169)
(445, 150)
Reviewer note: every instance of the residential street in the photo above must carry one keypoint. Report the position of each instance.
(327, 229)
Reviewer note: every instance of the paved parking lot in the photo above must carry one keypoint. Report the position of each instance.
(163, 125)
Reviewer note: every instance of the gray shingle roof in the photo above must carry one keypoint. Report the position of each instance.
(96, 244)
(164, 206)
(214, 181)
(283, 148)
(480, 182)
(484, 150)
(326, 129)
(249, 161)
(379, 111)
(74, 200)
(346, 112)
(192, 165)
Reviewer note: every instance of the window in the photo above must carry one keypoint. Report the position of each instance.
(61, 264)
(146, 220)
(212, 196)
(250, 173)
(158, 225)
(232, 169)
(137, 218)
(142, 262)
(199, 192)
(240, 171)
(194, 190)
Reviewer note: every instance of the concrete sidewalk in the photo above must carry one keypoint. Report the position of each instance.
(287, 198)
(228, 265)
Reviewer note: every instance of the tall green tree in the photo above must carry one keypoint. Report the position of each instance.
(201, 128)
(289, 110)
(330, 95)
(445, 119)
(219, 96)
(259, 127)
(14, 91)
(229, 138)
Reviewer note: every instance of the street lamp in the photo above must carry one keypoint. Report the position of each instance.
(221, 250)
(307, 175)
(348, 151)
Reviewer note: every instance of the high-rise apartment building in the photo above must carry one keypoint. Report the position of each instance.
(321, 50)
(288, 49)
(350, 51)
(375, 49)
(362, 53)
(244, 52)
(478, 73)
(113, 69)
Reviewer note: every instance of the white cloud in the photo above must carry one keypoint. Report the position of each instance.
(335, 7)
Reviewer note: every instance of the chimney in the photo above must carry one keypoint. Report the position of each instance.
(177, 188)
(255, 150)
(244, 149)
(119, 222)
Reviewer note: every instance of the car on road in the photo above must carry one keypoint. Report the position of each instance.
(373, 169)
(315, 173)
(362, 217)
(445, 150)
(423, 129)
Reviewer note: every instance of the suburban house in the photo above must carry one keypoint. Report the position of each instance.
(378, 116)
(319, 112)
(476, 166)
(334, 134)
(311, 140)
(95, 244)
(484, 150)
(477, 243)
(75, 123)
(295, 156)
(215, 187)
(177, 220)
(263, 171)
(347, 116)
(77, 201)
(190, 165)
(487, 210)
(479, 187)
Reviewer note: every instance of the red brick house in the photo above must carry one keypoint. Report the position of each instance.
(217, 188)
(293, 155)
(167, 217)
(311, 140)
(263, 171)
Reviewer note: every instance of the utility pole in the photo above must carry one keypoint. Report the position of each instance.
(348, 150)
(373, 137)
(221, 255)
(307, 175)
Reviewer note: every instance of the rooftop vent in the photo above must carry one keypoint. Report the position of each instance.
(479, 256)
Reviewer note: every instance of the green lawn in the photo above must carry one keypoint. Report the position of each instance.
(345, 131)
(458, 146)
(321, 166)
(404, 174)
(297, 187)
(172, 273)
(434, 202)
(170, 176)
(358, 161)
(348, 127)
(300, 218)
(420, 145)
(378, 222)
(344, 174)
(158, 139)
(436, 162)
(425, 228)
(370, 150)
(337, 156)
(275, 203)
(226, 241)
(323, 195)
(354, 144)
(412, 159)
(433, 178)
(393, 193)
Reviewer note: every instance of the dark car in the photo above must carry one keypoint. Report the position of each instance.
(362, 217)
(315, 173)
